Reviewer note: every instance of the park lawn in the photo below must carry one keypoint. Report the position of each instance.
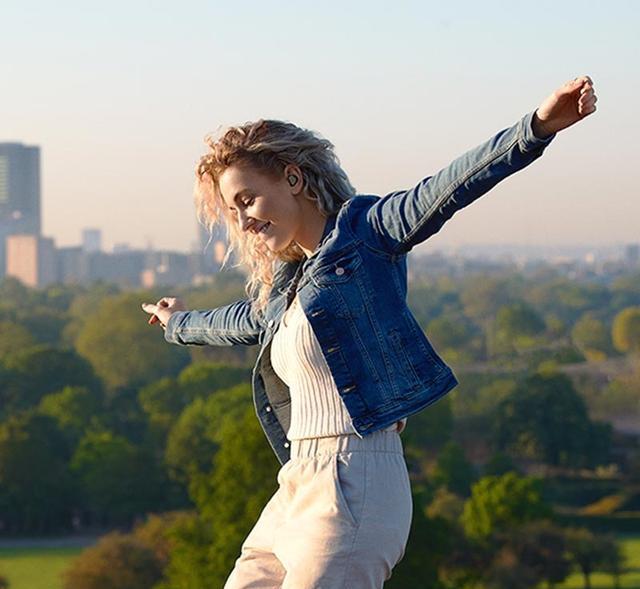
(630, 580)
(35, 568)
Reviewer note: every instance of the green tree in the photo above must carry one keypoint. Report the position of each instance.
(428, 430)
(453, 470)
(43, 322)
(624, 290)
(14, 337)
(613, 560)
(566, 298)
(499, 503)
(41, 370)
(201, 379)
(533, 551)
(516, 326)
(14, 293)
(446, 505)
(164, 400)
(500, 463)
(73, 408)
(83, 306)
(122, 348)
(119, 480)
(207, 547)
(589, 552)
(197, 434)
(591, 336)
(626, 330)
(36, 489)
(481, 297)
(546, 419)
(455, 337)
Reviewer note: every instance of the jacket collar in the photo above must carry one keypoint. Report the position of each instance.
(297, 268)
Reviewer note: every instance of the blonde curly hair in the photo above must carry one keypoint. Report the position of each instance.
(267, 146)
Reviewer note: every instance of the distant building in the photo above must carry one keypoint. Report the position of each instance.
(120, 248)
(167, 269)
(31, 259)
(632, 254)
(91, 240)
(19, 193)
(72, 265)
(123, 268)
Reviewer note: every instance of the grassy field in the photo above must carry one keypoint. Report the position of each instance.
(35, 568)
(39, 568)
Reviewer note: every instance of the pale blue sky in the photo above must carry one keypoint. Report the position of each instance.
(120, 95)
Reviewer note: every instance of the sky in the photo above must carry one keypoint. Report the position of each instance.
(120, 95)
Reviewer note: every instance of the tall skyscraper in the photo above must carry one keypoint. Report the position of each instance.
(19, 193)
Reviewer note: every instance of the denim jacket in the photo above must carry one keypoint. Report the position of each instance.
(353, 292)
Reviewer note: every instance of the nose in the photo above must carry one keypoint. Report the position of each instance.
(244, 222)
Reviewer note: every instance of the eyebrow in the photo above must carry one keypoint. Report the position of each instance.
(239, 194)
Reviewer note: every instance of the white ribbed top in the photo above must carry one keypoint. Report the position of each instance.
(317, 410)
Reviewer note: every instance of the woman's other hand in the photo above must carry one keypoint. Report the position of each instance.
(569, 104)
(163, 309)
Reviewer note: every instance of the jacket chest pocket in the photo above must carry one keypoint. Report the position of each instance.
(342, 279)
(341, 269)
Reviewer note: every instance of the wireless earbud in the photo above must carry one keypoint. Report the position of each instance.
(292, 179)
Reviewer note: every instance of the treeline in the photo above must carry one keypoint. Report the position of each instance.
(102, 422)
(469, 529)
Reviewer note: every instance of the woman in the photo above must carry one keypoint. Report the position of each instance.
(342, 360)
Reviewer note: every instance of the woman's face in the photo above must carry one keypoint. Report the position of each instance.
(263, 205)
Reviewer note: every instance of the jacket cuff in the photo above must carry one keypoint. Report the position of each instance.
(170, 332)
(528, 140)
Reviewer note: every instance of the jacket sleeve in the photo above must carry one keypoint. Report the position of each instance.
(401, 220)
(225, 326)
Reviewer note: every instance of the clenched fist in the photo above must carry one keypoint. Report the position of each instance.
(569, 104)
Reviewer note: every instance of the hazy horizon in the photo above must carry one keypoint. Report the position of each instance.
(119, 98)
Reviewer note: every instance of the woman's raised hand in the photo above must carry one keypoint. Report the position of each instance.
(163, 309)
(569, 104)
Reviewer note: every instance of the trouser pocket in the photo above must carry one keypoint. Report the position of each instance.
(349, 478)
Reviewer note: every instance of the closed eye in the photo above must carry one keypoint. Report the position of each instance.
(245, 204)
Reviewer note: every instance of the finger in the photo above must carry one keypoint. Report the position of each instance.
(569, 88)
(583, 112)
(149, 308)
(583, 80)
(587, 101)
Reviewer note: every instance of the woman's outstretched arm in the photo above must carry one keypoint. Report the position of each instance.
(233, 324)
(401, 220)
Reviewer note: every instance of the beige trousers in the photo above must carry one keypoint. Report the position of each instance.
(340, 518)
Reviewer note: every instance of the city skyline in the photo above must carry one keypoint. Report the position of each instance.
(119, 99)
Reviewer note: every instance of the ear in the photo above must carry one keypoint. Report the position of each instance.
(294, 179)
